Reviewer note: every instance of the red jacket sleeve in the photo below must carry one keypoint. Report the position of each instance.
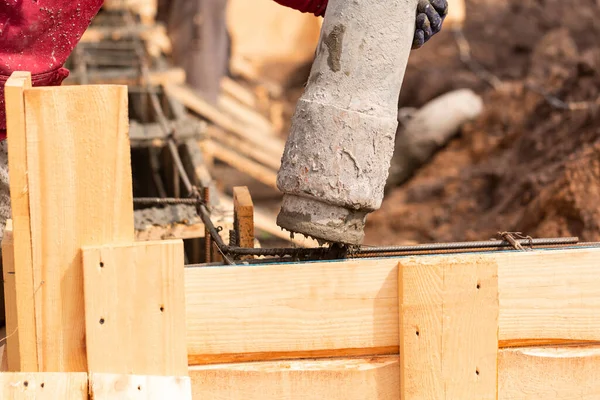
(38, 36)
(316, 7)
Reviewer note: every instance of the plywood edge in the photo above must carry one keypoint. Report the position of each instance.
(344, 378)
(549, 373)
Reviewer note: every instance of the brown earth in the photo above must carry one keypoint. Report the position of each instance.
(524, 165)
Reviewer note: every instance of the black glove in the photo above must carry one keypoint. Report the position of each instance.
(430, 16)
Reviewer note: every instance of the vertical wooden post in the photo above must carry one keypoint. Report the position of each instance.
(25, 347)
(70, 179)
(243, 216)
(448, 327)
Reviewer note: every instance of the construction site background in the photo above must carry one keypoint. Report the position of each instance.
(530, 162)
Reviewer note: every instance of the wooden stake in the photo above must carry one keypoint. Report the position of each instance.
(25, 318)
(135, 308)
(448, 328)
(243, 216)
(80, 193)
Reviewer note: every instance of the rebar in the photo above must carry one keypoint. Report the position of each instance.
(199, 196)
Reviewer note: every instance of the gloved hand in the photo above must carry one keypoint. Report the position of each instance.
(430, 15)
(38, 36)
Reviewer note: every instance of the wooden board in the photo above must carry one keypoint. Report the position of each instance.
(448, 328)
(135, 308)
(243, 216)
(373, 378)
(11, 333)
(262, 174)
(287, 311)
(80, 194)
(44, 386)
(550, 297)
(351, 308)
(25, 349)
(194, 102)
(558, 373)
(136, 387)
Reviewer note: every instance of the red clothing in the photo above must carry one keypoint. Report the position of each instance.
(38, 36)
(316, 7)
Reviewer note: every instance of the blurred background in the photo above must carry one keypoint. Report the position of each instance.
(524, 158)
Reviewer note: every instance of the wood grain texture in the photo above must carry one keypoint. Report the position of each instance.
(549, 296)
(243, 216)
(11, 333)
(137, 387)
(373, 378)
(325, 309)
(558, 373)
(263, 312)
(135, 308)
(19, 197)
(448, 327)
(80, 193)
(44, 386)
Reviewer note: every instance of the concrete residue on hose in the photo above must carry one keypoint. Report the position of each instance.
(334, 42)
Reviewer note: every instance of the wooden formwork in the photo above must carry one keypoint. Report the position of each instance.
(91, 311)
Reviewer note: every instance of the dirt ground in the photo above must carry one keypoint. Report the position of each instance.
(524, 165)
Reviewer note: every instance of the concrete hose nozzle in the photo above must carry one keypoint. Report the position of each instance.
(337, 157)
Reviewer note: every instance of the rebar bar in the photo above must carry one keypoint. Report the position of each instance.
(332, 251)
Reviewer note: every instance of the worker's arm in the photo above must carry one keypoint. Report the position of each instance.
(430, 15)
(38, 36)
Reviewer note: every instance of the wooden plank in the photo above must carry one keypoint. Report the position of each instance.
(243, 216)
(373, 378)
(558, 373)
(549, 297)
(140, 327)
(351, 307)
(136, 387)
(244, 114)
(44, 386)
(448, 327)
(11, 345)
(3, 355)
(244, 148)
(26, 348)
(245, 165)
(238, 92)
(197, 104)
(80, 193)
(237, 314)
